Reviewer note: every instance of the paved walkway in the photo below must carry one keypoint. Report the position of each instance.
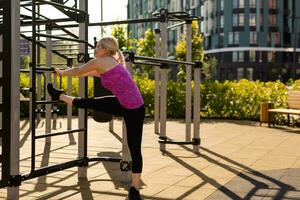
(238, 160)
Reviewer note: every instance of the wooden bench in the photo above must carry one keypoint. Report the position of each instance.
(293, 107)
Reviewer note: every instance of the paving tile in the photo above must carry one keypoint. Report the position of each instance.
(237, 160)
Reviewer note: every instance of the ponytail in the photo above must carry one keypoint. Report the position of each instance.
(121, 58)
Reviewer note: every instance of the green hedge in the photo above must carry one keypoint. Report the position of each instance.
(231, 99)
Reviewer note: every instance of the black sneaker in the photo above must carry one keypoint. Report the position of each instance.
(134, 194)
(54, 93)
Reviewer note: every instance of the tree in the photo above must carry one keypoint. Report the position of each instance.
(125, 43)
(210, 68)
(197, 49)
(146, 46)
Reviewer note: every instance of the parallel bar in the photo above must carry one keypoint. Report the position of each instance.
(163, 60)
(43, 2)
(176, 25)
(61, 38)
(42, 45)
(175, 142)
(59, 133)
(51, 169)
(46, 21)
(147, 63)
(129, 21)
(106, 159)
(48, 102)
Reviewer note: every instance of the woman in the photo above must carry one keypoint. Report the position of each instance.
(127, 102)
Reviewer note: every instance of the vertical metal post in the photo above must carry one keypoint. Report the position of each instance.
(33, 85)
(157, 82)
(82, 113)
(69, 92)
(163, 89)
(188, 88)
(13, 192)
(197, 101)
(54, 107)
(48, 79)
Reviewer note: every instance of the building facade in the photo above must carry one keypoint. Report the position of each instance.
(253, 39)
(141, 9)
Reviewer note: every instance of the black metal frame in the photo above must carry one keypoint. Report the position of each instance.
(164, 63)
(5, 108)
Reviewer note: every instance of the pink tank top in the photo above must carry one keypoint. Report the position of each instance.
(119, 81)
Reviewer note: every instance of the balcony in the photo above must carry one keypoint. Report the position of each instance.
(273, 11)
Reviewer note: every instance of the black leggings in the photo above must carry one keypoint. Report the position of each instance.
(134, 120)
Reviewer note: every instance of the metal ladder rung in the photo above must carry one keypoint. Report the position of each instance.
(59, 133)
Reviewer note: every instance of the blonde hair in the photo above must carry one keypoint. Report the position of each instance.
(110, 44)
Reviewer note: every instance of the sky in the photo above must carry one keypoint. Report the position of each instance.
(113, 10)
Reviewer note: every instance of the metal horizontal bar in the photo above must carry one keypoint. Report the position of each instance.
(163, 60)
(48, 102)
(53, 168)
(43, 2)
(64, 45)
(66, 49)
(61, 38)
(128, 21)
(106, 159)
(175, 142)
(28, 71)
(176, 25)
(44, 64)
(147, 63)
(47, 21)
(25, 89)
(59, 133)
(42, 45)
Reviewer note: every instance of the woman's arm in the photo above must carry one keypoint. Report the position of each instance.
(91, 73)
(79, 71)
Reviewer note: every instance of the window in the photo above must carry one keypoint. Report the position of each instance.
(230, 38)
(238, 19)
(241, 19)
(241, 3)
(276, 38)
(235, 20)
(193, 3)
(261, 20)
(235, 3)
(233, 38)
(271, 56)
(260, 57)
(221, 39)
(236, 39)
(221, 4)
(253, 37)
(150, 5)
(272, 20)
(252, 19)
(240, 73)
(252, 3)
(241, 56)
(238, 56)
(252, 56)
(172, 6)
(234, 56)
(272, 4)
(238, 3)
(222, 21)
